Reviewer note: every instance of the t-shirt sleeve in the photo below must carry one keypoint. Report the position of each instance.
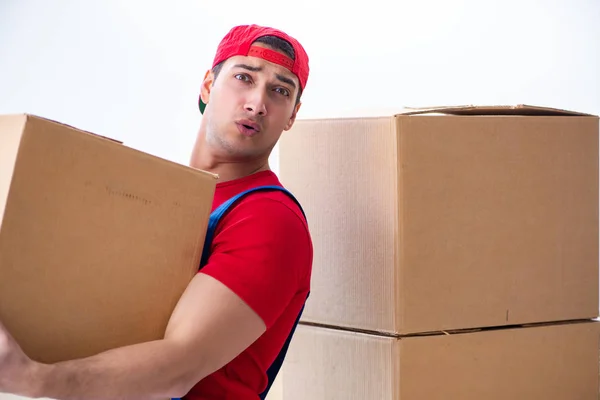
(262, 252)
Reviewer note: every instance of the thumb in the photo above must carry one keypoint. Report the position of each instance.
(5, 335)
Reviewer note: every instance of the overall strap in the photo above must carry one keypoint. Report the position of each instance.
(215, 217)
(274, 368)
(218, 213)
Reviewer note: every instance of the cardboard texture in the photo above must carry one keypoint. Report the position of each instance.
(276, 391)
(97, 240)
(449, 218)
(553, 362)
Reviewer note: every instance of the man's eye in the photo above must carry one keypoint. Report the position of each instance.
(242, 77)
(283, 91)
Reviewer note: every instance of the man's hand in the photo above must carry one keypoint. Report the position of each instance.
(199, 340)
(16, 368)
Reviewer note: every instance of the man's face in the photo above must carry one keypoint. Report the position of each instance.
(249, 104)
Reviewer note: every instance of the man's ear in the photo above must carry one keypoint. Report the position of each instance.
(290, 123)
(207, 83)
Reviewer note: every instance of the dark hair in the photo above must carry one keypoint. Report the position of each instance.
(275, 43)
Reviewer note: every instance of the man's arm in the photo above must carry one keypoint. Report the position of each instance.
(199, 340)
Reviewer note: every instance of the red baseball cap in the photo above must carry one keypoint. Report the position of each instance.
(239, 40)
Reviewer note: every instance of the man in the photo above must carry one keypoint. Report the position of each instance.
(229, 328)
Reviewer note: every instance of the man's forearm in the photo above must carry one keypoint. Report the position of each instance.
(147, 371)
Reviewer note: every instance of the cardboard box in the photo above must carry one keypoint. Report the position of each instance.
(276, 391)
(449, 218)
(553, 362)
(97, 240)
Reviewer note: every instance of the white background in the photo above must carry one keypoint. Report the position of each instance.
(132, 69)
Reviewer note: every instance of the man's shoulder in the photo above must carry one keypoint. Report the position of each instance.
(267, 226)
(264, 200)
(274, 205)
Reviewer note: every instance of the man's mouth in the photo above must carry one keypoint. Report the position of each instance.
(248, 128)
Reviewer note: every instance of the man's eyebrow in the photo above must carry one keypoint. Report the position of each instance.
(287, 80)
(248, 67)
(282, 78)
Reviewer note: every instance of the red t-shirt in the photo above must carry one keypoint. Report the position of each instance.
(261, 250)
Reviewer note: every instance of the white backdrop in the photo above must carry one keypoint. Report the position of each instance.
(132, 69)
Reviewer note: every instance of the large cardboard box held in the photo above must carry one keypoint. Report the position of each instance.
(553, 362)
(97, 240)
(449, 218)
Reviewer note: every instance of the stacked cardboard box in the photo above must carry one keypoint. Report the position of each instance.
(456, 255)
(97, 240)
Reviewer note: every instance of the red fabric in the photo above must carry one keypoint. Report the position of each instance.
(262, 251)
(238, 40)
(272, 56)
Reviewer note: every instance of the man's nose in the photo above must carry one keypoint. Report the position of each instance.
(256, 103)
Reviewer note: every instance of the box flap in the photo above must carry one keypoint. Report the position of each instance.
(519, 109)
(98, 240)
(73, 127)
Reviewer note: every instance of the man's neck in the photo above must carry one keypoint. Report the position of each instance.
(227, 170)
(232, 171)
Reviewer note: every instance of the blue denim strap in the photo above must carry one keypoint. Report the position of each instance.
(215, 217)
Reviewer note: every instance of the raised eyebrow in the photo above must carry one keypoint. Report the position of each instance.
(282, 78)
(287, 80)
(248, 67)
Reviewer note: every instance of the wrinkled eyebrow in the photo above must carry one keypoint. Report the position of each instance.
(287, 80)
(282, 78)
(248, 67)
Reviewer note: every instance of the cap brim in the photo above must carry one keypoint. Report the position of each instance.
(201, 105)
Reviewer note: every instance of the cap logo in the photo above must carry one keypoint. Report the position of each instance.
(271, 55)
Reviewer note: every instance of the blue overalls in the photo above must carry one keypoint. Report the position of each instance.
(215, 217)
